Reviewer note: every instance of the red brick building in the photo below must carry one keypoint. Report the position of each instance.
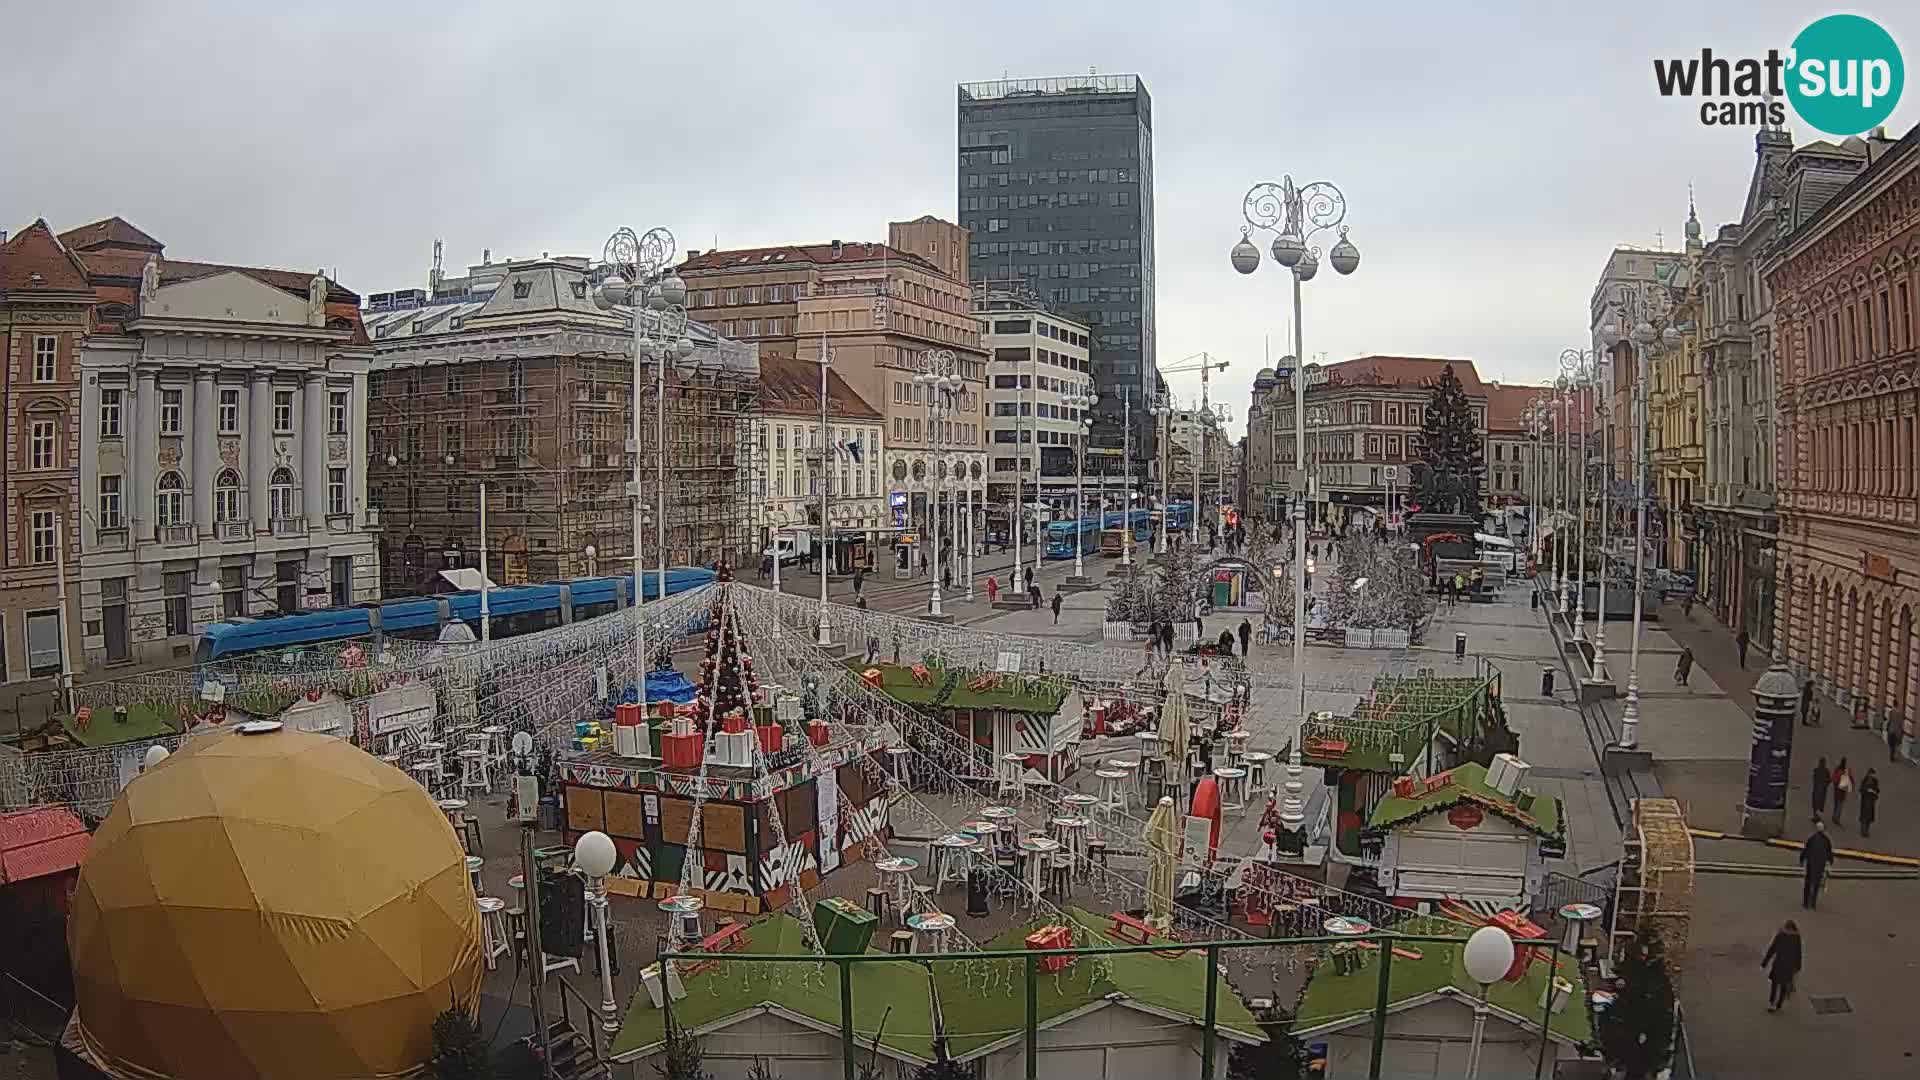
(1845, 284)
(45, 306)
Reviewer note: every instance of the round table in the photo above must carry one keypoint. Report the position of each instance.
(932, 927)
(948, 855)
(684, 912)
(1237, 744)
(1256, 766)
(897, 762)
(896, 876)
(1038, 850)
(1079, 802)
(1233, 791)
(474, 863)
(456, 811)
(1004, 816)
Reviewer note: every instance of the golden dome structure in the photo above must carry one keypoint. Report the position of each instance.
(271, 903)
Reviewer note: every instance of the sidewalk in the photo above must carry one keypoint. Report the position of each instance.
(1855, 950)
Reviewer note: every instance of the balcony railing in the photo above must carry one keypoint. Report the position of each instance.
(293, 526)
(111, 538)
(177, 534)
(233, 530)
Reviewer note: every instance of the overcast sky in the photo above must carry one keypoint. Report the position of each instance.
(1491, 153)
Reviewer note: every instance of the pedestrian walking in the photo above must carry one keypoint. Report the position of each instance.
(1166, 638)
(1842, 787)
(1815, 714)
(1869, 802)
(859, 579)
(1815, 854)
(1740, 642)
(993, 589)
(1056, 605)
(1685, 667)
(1246, 636)
(1806, 701)
(1033, 596)
(1893, 738)
(1817, 786)
(873, 647)
(860, 602)
(1782, 963)
(1199, 626)
(946, 577)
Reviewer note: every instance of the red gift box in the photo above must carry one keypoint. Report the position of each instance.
(681, 751)
(817, 732)
(627, 715)
(1518, 926)
(734, 722)
(1052, 937)
(665, 709)
(1403, 787)
(772, 737)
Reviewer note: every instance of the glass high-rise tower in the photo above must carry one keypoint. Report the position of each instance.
(1056, 186)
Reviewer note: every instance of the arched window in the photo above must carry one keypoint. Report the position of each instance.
(226, 496)
(170, 502)
(281, 490)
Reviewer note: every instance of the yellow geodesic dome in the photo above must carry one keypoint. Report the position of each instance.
(278, 905)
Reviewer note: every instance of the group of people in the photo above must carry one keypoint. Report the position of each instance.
(1785, 954)
(1838, 781)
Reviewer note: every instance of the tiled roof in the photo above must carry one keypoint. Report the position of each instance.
(792, 387)
(111, 232)
(116, 264)
(1406, 371)
(39, 841)
(784, 255)
(34, 260)
(1507, 401)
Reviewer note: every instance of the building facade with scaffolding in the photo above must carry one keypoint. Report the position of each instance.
(513, 379)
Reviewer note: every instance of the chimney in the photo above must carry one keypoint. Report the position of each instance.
(486, 256)
(693, 253)
(836, 249)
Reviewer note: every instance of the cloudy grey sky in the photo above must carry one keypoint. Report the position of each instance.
(1491, 153)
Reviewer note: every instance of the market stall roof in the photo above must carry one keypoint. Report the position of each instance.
(1333, 1001)
(949, 689)
(901, 993)
(1467, 783)
(40, 840)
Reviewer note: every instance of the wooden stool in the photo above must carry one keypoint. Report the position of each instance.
(1060, 874)
(473, 770)
(493, 929)
(517, 934)
(474, 863)
(900, 943)
(1097, 853)
(879, 901)
(1233, 789)
(922, 900)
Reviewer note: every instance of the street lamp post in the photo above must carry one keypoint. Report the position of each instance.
(1082, 404)
(1162, 409)
(594, 855)
(1126, 469)
(1601, 412)
(823, 631)
(631, 275)
(1578, 366)
(1297, 214)
(938, 373)
(970, 469)
(1643, 336)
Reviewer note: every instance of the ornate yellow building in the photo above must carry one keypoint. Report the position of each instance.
(1677, 445)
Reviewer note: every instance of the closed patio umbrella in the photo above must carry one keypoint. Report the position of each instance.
(1161, 844)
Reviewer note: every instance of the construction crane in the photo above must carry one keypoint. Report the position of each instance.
(1162, 406)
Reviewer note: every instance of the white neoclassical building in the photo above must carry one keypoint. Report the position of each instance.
(223, 462)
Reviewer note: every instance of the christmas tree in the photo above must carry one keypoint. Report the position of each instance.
(1447, 474)
(1177, 582)
(726, 673)
(1636, 1033)
(1128, 604)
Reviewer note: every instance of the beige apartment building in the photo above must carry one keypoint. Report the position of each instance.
(878, 309)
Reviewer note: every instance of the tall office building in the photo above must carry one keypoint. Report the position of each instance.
(1056, 188)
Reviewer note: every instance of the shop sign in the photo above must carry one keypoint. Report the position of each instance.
(1466, 817)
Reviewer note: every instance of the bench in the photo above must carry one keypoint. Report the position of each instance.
(1130, 930)
(730, 938)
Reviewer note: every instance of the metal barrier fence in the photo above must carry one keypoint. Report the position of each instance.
(1382, 943)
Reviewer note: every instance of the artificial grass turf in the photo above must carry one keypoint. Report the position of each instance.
(1468, 781)
(1041, 696)
(103, 729)
(981, 1002)
(1330, 997)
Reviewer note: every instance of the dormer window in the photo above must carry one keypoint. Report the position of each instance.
(579, 290)
(522, 289)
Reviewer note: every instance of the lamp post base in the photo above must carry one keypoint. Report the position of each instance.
(1758, 824)
(1595, 690)
(1618, 760)
(1077, 583)
(942, 618)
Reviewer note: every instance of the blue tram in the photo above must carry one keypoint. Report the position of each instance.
(513, 610)
(1064, 538)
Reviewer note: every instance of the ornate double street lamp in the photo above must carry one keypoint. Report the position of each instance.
(1296, 216)
(1535, 418)
(939, 373)
(1602, 411)
(1633, 306)
(1162, 410)
(1577, 367)
(636, 271)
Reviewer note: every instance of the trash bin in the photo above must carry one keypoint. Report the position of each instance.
(1459, 646)
(1546, 681)
(1536, 600)
(549, 814)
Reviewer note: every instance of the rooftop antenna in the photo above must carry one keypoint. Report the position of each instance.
(434, 277)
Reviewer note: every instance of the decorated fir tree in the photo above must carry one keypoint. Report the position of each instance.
(726, 673)
(1175, 586)
(1451, 461)
(1636, 1032)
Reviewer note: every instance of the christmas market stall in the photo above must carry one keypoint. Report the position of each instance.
(1035, 718)
(1420, 724)
(1469, 834)
(747, 779)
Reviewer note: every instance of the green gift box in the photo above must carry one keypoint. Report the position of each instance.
(845, 928)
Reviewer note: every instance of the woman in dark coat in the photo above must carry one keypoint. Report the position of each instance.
(1821, 778)
(1869, 802)
(1782, 963)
